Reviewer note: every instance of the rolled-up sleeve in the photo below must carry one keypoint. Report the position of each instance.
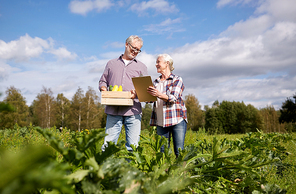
(175, 90)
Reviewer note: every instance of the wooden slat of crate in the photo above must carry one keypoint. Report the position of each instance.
(116, 98)
(117, 101)
(110, 94)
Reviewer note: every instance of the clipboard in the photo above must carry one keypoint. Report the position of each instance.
(141, 84)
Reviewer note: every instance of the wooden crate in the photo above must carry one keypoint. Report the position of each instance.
(116, 98)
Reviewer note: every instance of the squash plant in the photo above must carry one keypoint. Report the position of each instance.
(224, 166)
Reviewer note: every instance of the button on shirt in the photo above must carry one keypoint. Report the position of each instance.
(117, 73)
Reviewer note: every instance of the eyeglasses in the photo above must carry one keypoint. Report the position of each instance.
(134, 49)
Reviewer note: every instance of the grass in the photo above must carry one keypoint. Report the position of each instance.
(286, 180)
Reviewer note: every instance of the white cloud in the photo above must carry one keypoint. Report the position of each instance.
(150, 61)
(66, 85)
(169, 21)
(222, 3)
(5, 70)
(62, 53)
(114, 45)
(96, 66)
(251, 61)
(279, 10)
(111, 55)
(232, 57)
(158, 6)
(251, 27)
(26, 48)
(62, 79)
(259, 92)
(122, 3)
(280, 42)
(83, 7)
(166, 26)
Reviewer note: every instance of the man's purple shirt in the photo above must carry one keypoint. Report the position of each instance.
(117, 73)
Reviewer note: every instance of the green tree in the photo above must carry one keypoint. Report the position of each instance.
(92, 111)
(252, 119)
(229, 116)
(33, 116)
(77, 110)
(271, 120)
(194, 112)
(233, 117)
(288, 112)
(5, 106)
(147, 110)
(213, 123)
(62, 111)
(102, 116)
(44, 108)
(19, 115)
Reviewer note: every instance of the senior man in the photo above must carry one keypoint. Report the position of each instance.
(120, 71)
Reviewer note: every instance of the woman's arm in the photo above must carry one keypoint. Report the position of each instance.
(174, 92)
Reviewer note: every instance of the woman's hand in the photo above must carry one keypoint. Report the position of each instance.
(153, 91)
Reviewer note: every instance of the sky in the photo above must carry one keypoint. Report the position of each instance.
(225, 50)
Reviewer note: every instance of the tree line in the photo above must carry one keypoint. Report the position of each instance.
(84, 111)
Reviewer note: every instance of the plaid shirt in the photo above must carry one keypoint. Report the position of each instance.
(174, 109)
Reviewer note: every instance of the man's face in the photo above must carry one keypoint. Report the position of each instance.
(133, 49)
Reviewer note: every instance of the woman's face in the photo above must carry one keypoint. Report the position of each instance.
(161, 65)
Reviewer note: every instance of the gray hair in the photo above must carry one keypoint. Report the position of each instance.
(168, 58)
(131, 38)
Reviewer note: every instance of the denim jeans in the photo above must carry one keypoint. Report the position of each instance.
(132, 126)
(177, 131)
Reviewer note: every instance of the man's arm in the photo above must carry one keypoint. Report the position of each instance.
(103, 82)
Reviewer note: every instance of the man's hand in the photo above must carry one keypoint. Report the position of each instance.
(103, 88)
(134, 94)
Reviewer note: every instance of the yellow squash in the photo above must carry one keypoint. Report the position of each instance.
(115, 88)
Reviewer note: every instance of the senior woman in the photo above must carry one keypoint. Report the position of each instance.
(169, 112)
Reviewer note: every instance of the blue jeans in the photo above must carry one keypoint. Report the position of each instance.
(177, 131)
(132, 125)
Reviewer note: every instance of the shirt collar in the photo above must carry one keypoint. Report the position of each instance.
(170, 77)
(120, 58)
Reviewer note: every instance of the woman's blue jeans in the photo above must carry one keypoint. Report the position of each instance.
(177, 132)
(132, 125)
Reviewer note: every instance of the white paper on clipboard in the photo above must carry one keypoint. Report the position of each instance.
(141, 84)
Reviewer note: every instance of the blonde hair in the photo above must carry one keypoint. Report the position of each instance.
(169, 59)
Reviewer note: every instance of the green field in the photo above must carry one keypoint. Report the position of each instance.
(35, 160)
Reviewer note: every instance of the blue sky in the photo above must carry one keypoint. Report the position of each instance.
(234, 50)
